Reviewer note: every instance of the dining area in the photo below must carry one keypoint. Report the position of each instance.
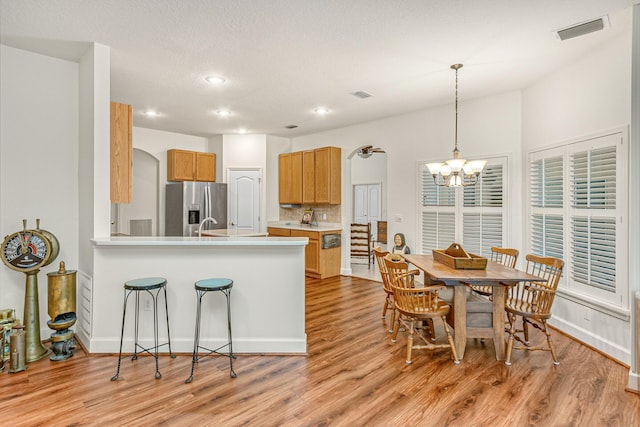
(474, 297)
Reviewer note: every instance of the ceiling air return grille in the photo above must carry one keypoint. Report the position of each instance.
(361, 94)
(583, 28)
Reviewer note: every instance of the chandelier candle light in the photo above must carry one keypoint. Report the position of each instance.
(456, 172)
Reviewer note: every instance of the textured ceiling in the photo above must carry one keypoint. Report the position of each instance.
(283, 58)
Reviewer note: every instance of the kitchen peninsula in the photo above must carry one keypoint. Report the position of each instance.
(267, 301)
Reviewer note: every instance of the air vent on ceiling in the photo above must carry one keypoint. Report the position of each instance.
(291, 126)
(361, 94)
(583, 28)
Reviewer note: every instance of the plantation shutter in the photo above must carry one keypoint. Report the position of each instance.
(546, 198)
(593, 220)
(482, 212)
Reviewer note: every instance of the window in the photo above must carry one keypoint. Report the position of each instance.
(472, 216)
(576, 212)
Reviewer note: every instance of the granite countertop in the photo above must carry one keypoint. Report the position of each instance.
(294, 225)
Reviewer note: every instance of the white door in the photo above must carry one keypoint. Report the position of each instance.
(367, 205)
(244, 199)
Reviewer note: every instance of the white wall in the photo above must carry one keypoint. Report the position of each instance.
(39, 110)
(590, 95)
(487, 127)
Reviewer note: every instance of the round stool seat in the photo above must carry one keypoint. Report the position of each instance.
(145, 284)
(217, 284)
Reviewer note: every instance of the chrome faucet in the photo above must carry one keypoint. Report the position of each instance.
(209, 218)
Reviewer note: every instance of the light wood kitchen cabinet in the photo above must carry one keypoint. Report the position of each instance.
(279, 232)
(328, 175)
(309, 176)
(206, 167)
(121, 153)
(181, 165)
(185, 165)
(290, 177)
(313, 176)
(319, 263)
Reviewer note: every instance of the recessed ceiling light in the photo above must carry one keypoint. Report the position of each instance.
(243, 130)
(223, 113)
(151, 113)
(216, 80)
(291, 126)
(321, 110)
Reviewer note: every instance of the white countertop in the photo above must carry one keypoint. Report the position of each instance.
(225, 232)
(293, 225)
(199, 241)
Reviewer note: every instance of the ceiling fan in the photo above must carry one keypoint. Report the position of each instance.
(366, 151)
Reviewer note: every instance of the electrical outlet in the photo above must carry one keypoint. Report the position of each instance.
(147, 304)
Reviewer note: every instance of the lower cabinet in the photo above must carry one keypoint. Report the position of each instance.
(279, 232)
(319, 263)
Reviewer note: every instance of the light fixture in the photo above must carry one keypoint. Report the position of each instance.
(321, 111)
(216, 80)
(456, 172)
(223, 113)
(150, 113)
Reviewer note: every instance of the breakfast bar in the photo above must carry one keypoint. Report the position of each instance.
(268, 302)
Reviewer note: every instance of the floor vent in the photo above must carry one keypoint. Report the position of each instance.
(583, 28)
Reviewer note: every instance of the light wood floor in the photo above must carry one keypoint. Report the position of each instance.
(353, 376)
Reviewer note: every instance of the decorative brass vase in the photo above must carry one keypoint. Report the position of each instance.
(62, 310)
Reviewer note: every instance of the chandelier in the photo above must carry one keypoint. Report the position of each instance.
(456, 172)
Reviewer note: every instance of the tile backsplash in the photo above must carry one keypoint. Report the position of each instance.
(332, 212)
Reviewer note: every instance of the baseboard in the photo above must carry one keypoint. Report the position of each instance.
(248, 346)
(610, 349)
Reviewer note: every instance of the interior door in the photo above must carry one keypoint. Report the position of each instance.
(367, 206)
(244, 199)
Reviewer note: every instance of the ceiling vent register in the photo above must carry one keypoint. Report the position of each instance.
(583, 28)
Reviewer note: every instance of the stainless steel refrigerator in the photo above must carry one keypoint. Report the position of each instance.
(188, 203)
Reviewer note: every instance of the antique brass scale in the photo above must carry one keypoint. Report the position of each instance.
(27, 251)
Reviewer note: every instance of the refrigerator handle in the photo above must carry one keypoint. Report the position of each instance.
(207, 202)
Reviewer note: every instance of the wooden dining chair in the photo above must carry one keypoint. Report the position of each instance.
(416, 308)
(531, 301)
(504, 256)
(361, 242)
(384, 274)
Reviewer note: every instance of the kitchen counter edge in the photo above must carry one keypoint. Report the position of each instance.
(199, 241)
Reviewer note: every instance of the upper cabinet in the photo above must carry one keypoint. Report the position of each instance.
(290, 177)
(328, 175)
(308, 176)
(205, 167)
(121, 153)
(312, 176)
(184, 165)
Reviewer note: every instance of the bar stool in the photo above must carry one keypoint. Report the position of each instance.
(148, 284)
(202, 287)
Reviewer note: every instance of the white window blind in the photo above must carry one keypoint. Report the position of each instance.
(593, 233)
(546, 187)
(576, 213)
(438, 230)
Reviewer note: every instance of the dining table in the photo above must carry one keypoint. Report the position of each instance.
(496, 275)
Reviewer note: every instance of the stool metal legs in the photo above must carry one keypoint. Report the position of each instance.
(137, 346)
(196, 342)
